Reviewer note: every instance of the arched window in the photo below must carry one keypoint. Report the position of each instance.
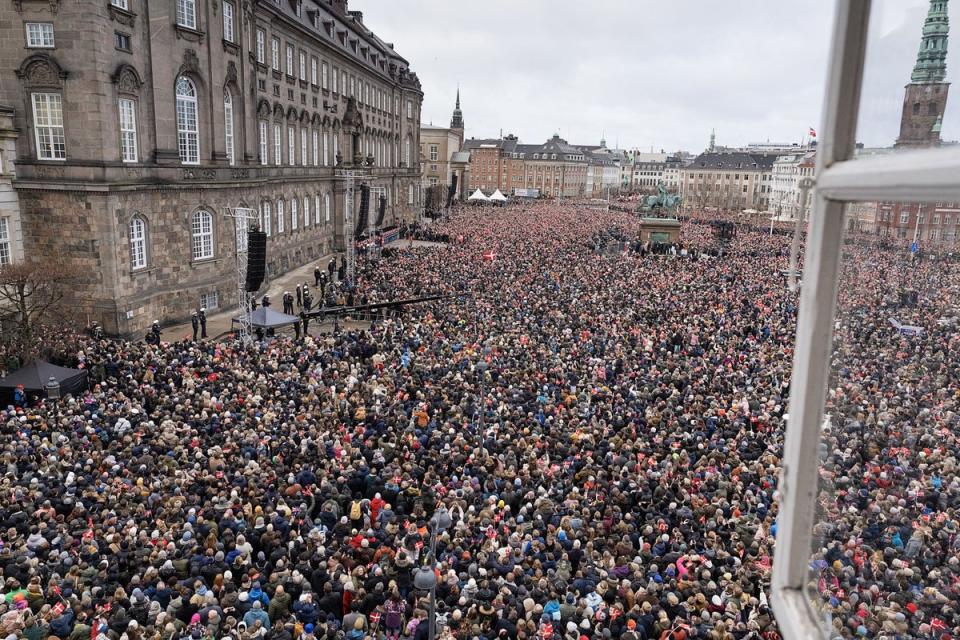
(138, 243)
(306, 211)
(267, 219)
(326, 207)
(406, 153)
(228, 123)
(916, 108)
(188, 130)
(316, 209)
(293, 214)
(280, 213)
(202, 227)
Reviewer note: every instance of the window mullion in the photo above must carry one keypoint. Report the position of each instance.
(929, 175)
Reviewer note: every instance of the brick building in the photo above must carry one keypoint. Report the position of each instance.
(555, 167)
(142, 123)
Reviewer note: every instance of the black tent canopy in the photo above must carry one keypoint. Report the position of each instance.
(267, 318)
(34, 377)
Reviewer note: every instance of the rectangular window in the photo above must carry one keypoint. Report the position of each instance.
(267, 219)
(353, 87)
(280, 216)
(306, 211)
(316, 148)
(904, 217)
(228, 21)
(48, 126)
(120, 4)
(289, 60)
(316, 209)
(128, 130)
(303, 65)
(410, 195)
(326, 149)
(261, 46)
(303, 146)
(5, 256)
(121, 41)
(324, 76)
(277, 144)
(434, 152)
(275, 54)
(409, 108)
(187, 13)
(210, 300)
(291, 146)
(264, 148)
(40, 35)
(313, 71)
(336, 81)
(293, 215)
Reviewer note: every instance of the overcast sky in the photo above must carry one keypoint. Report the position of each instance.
(649, 73)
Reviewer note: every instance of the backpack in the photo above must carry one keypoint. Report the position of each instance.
(355, 512)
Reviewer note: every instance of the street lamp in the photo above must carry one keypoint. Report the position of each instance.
(424, 577)
(52, 388)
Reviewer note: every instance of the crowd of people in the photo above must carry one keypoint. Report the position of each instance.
(603, 431)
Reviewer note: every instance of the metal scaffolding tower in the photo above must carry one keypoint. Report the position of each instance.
(242, 217)
(349, 213)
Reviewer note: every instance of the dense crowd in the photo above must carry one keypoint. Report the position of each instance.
(604, 432)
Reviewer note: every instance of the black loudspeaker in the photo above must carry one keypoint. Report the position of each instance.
(256, 259)
(452, 191)
(364, 211)
(382, 212)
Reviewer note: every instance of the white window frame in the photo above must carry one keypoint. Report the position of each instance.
(316, 147)
(316, 209)
(277, 144)
(6, 248)
(290, 60)
(48, 126)
(291, 145)
(326, 148)
(303, 65)
(294, 212)
(304, 159)
(325, 75)
(264, 143)
(228, 21)
(228, 125)
(188, 137)
(267, 219)
(261, 46)
(40, 35)
(137, 233)
(275, 54)
(326, 208)
(929, 175)
(280, 214)
(127, 111)
(201, 228)
(306, 211)
(187, 13)
(314, 63)
(120, 4)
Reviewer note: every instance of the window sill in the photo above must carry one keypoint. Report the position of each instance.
(231, 47)
(188, 33)
(142, 271)
(204, 261)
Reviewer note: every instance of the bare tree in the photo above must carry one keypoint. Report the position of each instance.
(30, 294)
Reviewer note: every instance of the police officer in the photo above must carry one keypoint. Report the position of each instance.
(203, 322)
(153, 337)
(299, 297)
(195, 323)
(317, 274)
(265, 303)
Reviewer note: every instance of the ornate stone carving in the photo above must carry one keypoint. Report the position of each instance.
(199, 174)
(127, 79)
(231, 72)
(117, 14)
(240, 174)
(292, 114)
(41, 70)
(190, 35)
(191, 64)
(263, 109)
(278, 111)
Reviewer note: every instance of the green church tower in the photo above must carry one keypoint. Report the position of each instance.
(925, 98)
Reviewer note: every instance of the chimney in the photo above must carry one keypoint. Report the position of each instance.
(357, 16)
(339, 6)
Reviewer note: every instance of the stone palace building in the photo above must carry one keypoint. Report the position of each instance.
(141, 123)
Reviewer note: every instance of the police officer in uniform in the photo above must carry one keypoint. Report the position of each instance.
(203, 322)
(195, 323)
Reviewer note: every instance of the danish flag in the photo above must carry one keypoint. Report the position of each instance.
(812, 133)
(489, 255)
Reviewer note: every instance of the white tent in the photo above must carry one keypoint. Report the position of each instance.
(496, 196)
(478, 197)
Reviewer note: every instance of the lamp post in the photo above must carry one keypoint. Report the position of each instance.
(52, 388)
(425, 578)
